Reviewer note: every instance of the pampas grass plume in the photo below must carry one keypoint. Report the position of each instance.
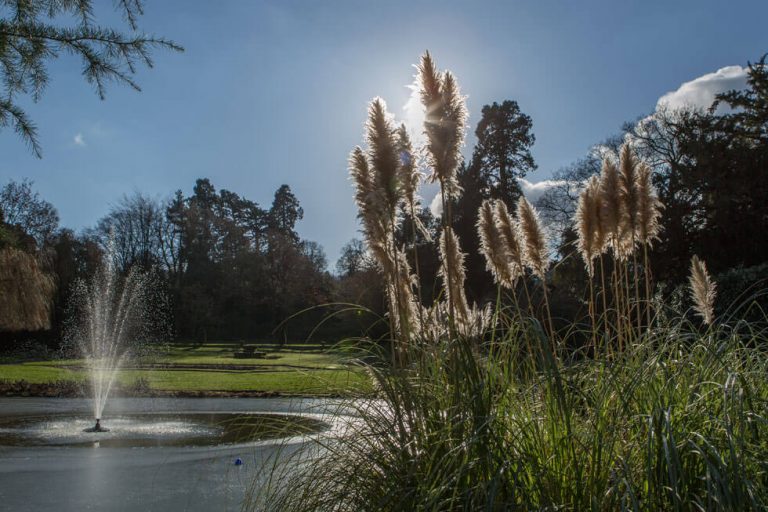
(508, 233)
(610, 206)
(453, 273)
(491, 244)
(590, 230)
(702, 290)
(535, 254)
(648, 207)
(628, 201)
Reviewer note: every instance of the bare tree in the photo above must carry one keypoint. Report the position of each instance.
(170, 234)
(135, 225)
(354, 258)
(23, 208)
(558, 204)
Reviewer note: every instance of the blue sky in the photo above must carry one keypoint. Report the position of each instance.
(276, 92)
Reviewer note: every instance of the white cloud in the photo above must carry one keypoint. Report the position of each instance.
(436, 206)
(413, 116)
(79, 140)
(700, 92)
(534, 190)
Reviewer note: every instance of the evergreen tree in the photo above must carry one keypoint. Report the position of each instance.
(503, 150)
(285, 212)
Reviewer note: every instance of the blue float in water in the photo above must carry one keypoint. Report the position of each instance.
(238, 461)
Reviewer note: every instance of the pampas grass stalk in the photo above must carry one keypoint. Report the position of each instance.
(445, 125)
(610, 205)
(588, 226)
(702, 290)
(410, 178)
(535, 250)
(383, 182)
(648, 226)
(383, 155)
(453, 274)
(648, 207)
(509, 238)
(590, 238)
(492, 246)
(629, 201)
(610, 218)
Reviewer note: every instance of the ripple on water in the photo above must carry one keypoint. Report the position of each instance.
(146, 430)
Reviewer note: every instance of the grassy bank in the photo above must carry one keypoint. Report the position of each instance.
(292, 370)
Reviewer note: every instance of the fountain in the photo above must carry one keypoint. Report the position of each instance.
(113, 316)
(65, 442)
(112, 313)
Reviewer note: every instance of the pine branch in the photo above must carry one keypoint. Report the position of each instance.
(11, 115)
(27, 44)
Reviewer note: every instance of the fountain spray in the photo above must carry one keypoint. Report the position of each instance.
(113, 317)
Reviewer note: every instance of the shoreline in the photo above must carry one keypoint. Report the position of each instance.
(74, 389)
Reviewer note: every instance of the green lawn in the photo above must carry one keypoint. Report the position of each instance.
(298, 370)
(37, 373)
(223, 354)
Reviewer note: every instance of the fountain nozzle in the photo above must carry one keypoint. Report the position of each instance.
(97, 427)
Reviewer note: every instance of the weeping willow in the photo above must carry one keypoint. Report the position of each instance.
(26, 292)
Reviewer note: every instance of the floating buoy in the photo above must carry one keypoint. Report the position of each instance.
(238, 461)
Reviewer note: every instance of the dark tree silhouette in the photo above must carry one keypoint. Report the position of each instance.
(353, 258)
(502, 153)
(285, 212)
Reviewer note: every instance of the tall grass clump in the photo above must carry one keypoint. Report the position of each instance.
(484, 408)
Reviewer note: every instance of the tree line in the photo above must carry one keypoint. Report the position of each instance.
(231, 268)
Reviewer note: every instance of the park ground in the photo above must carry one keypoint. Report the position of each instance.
(211, 369)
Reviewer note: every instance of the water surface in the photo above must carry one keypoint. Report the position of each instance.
(176, 474)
